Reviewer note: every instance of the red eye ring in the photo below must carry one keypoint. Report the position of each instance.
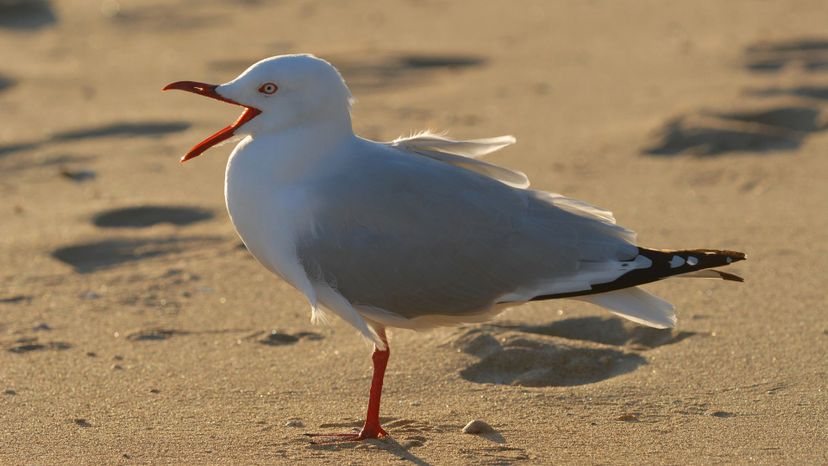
(268, 88)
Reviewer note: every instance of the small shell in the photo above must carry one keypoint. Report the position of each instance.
(477, 427)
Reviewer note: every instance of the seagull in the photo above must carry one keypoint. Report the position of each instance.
(417, 232)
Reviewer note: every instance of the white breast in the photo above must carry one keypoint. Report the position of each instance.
(269, 189)
(265, 202)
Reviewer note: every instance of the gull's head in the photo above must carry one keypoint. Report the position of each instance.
(277, 93)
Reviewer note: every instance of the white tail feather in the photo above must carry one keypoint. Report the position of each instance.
(636, 305)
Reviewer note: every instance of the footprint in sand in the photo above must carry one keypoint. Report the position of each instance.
(563, 353)
(77, 175)
(374, 72)
(99, 255)
(16, 299)
(794, 116)
(808, 54)
(609, 331)
(118, 129)
(275, 338)
(149, 215)
(155, 334)
(69, 162)
(814, 93)
(405, 433)
(377, 72)
(768, 129)
(161, 17)
(26, 14)
(5, 83)
(28, 345)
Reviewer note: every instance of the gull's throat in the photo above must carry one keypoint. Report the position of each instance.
(222, 134)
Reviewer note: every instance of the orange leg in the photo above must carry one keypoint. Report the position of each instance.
(371, 429)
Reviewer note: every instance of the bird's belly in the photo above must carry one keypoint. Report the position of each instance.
(261, 237)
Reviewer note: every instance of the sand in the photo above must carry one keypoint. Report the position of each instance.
(135, 328)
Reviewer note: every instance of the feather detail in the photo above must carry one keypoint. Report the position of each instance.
(464, 154)
(334, 301)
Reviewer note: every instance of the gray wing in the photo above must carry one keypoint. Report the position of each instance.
(418, 237)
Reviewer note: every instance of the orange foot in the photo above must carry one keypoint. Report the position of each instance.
(367, 432)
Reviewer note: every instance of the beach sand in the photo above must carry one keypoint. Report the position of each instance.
(135, 327)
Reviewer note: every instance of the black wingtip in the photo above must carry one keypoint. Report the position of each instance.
(733, 255)
(665, 263)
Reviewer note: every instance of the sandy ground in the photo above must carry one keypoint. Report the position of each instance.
(135, 328)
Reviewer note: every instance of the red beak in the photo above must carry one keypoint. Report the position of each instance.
(209, 90)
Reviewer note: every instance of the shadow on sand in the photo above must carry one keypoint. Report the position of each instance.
(26, 14)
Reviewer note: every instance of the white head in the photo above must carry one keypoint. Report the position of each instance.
(278, 93)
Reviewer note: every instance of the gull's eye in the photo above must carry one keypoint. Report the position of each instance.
(268, 88)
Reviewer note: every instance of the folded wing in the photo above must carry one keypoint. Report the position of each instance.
(416, 237)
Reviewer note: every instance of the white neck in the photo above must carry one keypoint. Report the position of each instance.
(293, 152)
(333, 128)
(327, 119)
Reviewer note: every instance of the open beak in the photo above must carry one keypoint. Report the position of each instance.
(209, 90)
